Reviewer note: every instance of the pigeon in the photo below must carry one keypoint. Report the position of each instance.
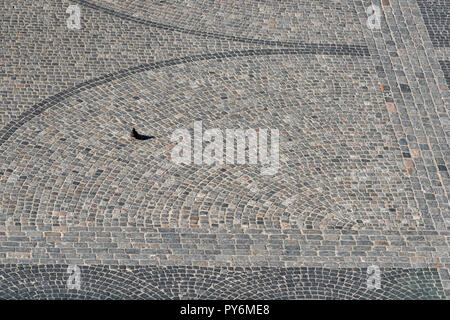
(136, 136)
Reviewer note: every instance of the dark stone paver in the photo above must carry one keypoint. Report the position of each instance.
(445, 65)
(437, 20)
(151, 282)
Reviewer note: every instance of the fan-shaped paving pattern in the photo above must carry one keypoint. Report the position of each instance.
(286, 21)
(355, 108)
(150, 282)
(341, 165)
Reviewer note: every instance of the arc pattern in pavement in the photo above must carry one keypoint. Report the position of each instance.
(287, 232)
(150, 282)
(242, 12)
(12, 126)
(345, 201)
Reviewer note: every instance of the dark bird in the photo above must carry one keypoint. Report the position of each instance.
(136, 136)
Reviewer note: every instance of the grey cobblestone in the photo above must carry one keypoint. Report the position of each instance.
(364, 157)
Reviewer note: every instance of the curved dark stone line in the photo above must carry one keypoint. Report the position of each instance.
(7, 131)
(343, 47)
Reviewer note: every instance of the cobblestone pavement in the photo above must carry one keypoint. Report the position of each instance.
(363, 178)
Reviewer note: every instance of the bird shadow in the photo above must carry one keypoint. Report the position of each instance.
(143, 137)
(138, 136)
